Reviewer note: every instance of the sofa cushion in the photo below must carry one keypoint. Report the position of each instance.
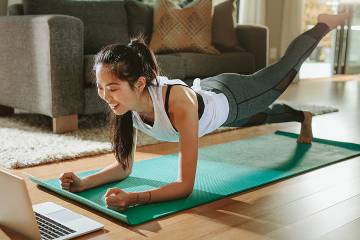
(182, 29)
(140, 19)
(189, 65)
(198, 65)
(171, 65)
(105, 22)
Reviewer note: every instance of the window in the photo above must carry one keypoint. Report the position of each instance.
(321, 61)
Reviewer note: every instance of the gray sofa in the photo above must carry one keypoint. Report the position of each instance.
(47, 49)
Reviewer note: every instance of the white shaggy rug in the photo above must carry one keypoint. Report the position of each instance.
(26, 139)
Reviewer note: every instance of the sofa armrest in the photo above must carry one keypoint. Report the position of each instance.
(255, 39)
(41, 64)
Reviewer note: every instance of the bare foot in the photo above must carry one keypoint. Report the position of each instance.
(333, 20)
(306, 135)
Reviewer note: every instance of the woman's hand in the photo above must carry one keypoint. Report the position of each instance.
(71, 182)
(116, 199)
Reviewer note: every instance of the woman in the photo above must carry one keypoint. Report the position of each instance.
(127, 79)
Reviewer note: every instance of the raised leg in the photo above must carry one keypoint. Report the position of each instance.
(251, 94)
(65, 124)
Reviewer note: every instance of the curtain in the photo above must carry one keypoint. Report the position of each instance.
(292, 22)
(252, 12)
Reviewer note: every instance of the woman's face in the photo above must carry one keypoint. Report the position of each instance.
(118, 94)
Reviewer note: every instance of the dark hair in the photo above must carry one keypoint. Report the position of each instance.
(127, 63)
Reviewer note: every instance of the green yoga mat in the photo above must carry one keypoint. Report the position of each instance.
(222, 170)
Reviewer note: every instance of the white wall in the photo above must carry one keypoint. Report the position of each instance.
(14, 1)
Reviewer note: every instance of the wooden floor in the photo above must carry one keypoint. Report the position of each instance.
(322, 204)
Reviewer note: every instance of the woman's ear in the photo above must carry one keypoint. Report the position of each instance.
(141, 83)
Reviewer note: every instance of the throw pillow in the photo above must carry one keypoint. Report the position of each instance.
(223, 28)
(105, 22)
(182, 29)
(140, 19)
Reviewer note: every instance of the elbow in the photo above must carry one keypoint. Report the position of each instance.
(186, 190)
(187, 193)
(126, 170)
(124, 173)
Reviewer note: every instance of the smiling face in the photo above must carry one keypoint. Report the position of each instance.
(117, 93)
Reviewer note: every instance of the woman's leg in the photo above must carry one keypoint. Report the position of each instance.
(280, 113)
(251, 94)
(277, 113)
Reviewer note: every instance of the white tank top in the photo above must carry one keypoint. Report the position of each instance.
(216, 110)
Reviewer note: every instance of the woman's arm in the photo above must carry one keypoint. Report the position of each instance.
(114, 172)
(183, 111)
(111, 173)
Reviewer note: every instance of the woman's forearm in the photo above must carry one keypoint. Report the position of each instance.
(172, 191)
(111, 173)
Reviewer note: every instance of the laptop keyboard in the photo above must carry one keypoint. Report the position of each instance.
(50, 229)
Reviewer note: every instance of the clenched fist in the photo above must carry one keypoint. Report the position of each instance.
(71, 182)
(116, 199)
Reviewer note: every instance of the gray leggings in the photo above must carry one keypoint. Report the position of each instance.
(251, 95)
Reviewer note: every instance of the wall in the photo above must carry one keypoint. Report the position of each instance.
(14, 1)
(3, 7)
(274, 11)
(5, 3)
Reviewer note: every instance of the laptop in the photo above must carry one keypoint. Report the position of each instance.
(40, 221)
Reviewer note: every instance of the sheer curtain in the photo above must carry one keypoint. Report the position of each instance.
(252, 12)
(292, 22)
(291, 25)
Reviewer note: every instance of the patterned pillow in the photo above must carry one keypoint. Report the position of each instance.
(223, 25)
(183, 29)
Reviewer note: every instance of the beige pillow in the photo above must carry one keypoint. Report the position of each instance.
(183, 29)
